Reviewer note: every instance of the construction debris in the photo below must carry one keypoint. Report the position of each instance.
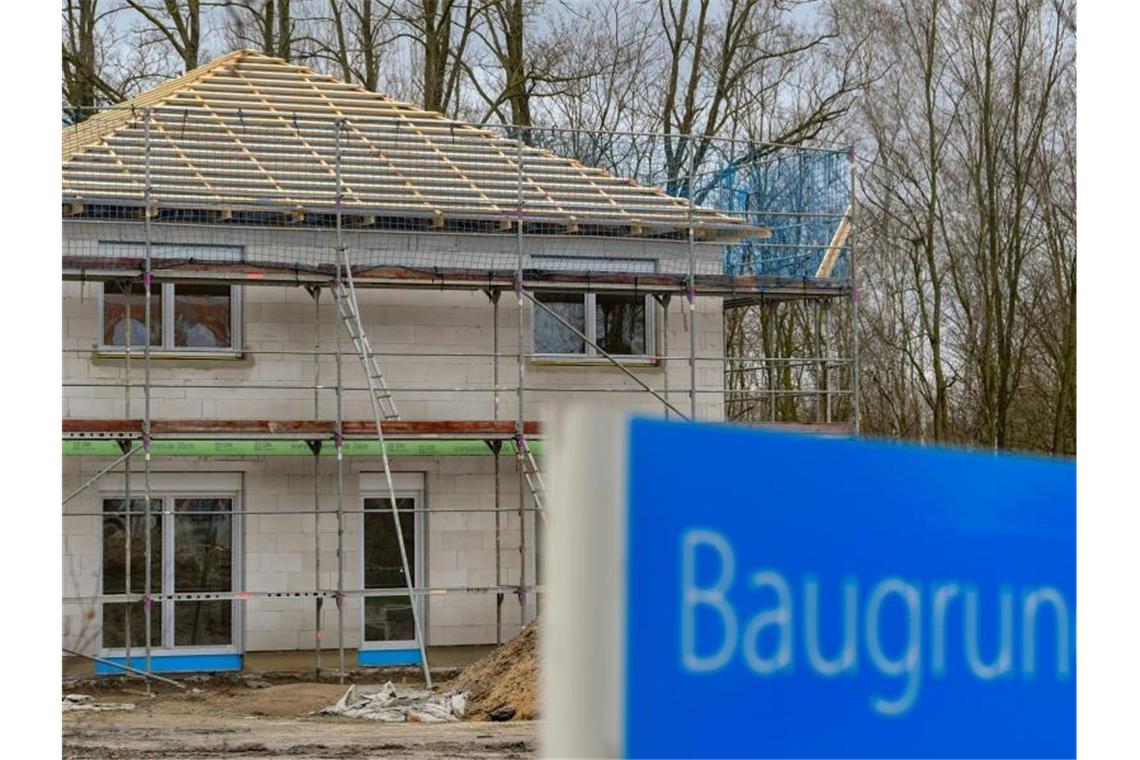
(504, 684)
(502, 714)
(72, 702)
(397, 704)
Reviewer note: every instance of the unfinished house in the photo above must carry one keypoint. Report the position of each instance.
(309, 335)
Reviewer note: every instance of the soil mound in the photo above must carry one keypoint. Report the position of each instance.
(504, 684)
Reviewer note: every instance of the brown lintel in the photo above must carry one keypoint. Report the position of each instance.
(731, 286)
(299, 429)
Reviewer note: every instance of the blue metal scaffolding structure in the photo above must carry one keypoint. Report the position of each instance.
(803, 195)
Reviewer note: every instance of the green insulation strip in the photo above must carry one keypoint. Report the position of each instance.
(252, 448)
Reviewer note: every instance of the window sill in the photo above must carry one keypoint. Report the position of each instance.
(167, 353)
(592, 361)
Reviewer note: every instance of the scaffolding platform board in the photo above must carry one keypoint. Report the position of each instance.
(296, 430)
(738, 288)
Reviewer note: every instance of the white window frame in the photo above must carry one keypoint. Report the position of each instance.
(590, 355)
(406, 485)
(186, 487)
(167, 347)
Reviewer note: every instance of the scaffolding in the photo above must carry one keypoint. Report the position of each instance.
(158, 191)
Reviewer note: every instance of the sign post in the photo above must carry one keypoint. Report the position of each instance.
(724, 592)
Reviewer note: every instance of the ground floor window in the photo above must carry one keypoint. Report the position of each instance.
(192, 551)
(388, 618)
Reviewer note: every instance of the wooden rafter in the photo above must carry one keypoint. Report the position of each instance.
(252, 132)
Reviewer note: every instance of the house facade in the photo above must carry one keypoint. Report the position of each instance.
(247, 419)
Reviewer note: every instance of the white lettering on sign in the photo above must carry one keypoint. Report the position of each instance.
(710, 596)
(711, 634)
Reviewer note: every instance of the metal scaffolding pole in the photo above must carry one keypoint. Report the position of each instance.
(519, 424)
(339, 443)
(772, 324)
(854, 300)
(90, 481)
(316, 449)
(818, 348)
(692, 287)
(496, 450)
(306, 512)
(280, 593)
(127, 668)
(127, 481)
(147, 581)
(153, 272)
(612, 359)
(664, 300)
(827, 360)
(374, 380)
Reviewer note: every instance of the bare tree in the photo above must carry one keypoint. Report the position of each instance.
(99, 68)
(177, 22)
(360, 31)
(968, 234)
(526, 63)
(441, 31)
(83, 83)
(963, 113)
(267, 25)
(909, 113)
(1011, 62)
(716, 58)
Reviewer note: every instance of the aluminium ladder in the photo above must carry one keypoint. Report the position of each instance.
(383, 408)
(531, 474)
(349, 311)
(344, 293)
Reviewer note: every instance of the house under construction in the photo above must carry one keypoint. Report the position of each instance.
(309, 335)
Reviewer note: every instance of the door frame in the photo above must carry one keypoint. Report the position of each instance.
(166, 487)
(406, 485)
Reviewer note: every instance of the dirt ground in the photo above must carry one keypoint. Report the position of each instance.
(266, 717)
(505, 679)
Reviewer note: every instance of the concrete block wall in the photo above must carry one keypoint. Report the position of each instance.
(405, 322)
(278, 549)
(413, 323)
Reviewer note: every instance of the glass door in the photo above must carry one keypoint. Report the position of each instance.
(192, 551)
(203, 561)
(118, 522)
(388, 620)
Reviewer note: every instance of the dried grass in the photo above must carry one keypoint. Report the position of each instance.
(507, 677)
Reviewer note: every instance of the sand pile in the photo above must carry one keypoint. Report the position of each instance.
(504, 684)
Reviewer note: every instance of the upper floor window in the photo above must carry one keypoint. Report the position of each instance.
(183, 317)
(618, 323)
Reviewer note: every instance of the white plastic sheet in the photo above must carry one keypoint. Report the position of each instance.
(72, 702)
(397, 704)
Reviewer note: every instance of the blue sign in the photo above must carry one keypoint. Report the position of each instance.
(795, 596)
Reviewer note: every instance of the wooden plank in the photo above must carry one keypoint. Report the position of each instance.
(737, 290)
(819, 428)
(299, 429)
(837, 242)
(262, 106)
